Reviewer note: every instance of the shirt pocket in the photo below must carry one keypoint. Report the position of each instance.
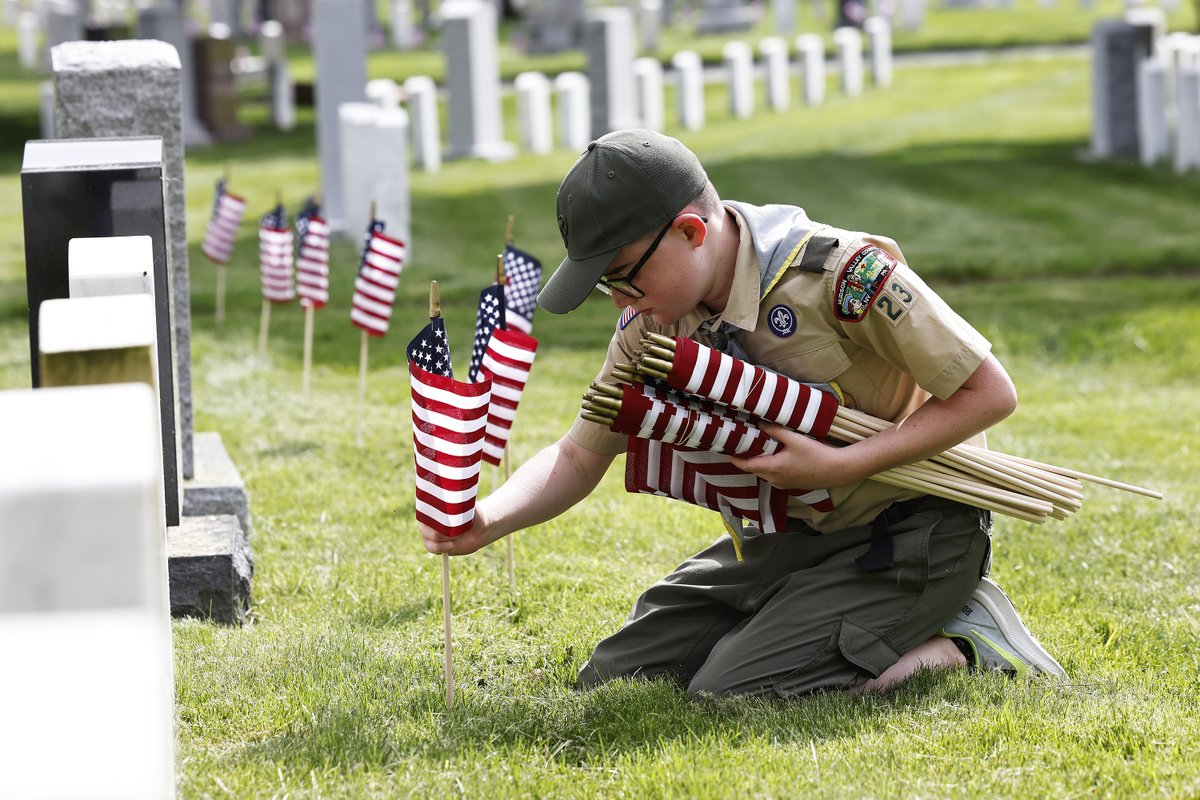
(820, 363)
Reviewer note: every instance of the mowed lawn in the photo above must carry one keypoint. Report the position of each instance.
(1086, 278)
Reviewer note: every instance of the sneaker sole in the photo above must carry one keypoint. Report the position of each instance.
(1004, 612)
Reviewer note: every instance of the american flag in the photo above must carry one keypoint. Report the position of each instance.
(312, 266)
(275, 256)
(488, 317)
(223, 225)
(449, 424)
(712, 375)
(698, 438)
(704, 479)
(378, 276)
(507, 362)
(310, 209)
(520, 291)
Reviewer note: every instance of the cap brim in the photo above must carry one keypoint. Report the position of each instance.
(572, 282)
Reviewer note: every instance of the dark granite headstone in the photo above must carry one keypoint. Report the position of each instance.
(84, 188)
(1117, 48)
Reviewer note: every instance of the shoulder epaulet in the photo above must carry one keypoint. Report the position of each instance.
(816, 253)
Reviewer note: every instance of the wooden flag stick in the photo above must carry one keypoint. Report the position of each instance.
(512, 563)
(435, 311)
(264, 328)
(363, 351)
(508, 231)
(306, 380)
(449, 663)
(220, 295)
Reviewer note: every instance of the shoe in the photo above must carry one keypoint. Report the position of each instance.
(992, 636)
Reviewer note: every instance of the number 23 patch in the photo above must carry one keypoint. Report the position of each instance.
(865, 282)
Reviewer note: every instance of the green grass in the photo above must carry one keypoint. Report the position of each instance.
(1084, 275)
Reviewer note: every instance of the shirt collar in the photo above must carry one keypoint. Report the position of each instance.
(741, 310)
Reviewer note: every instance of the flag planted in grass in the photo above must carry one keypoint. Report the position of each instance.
(312, 264)
(507, 361)
(275, 255)
(378, 276)
(221, 233)
(520, 290)
(449, 423)
(489, 316)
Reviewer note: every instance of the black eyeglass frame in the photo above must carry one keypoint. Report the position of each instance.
(625, 284)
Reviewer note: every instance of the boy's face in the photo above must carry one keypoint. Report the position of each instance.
(670, 279)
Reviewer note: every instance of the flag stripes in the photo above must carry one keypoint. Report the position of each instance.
(705, 372)
(375, 287)
(507, 362)
(223, 225)
(275, 264)
(449, 425)
(312, 265)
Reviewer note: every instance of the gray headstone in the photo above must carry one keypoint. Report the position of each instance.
(574, 109)
(608, 42)
(83, 596)
(46, 109)
(166, 24)
(689, 86)
(375, 168)
(649, 24)
(850, 59)
(423, 121)
(65, 20)
(648, 89)
(1153, 135)
(108, 89)
(29, 34)
(1187, 138)
(785, 15)
(554, 25)
(739, 66)
(912, 14)
(340, 51)
(879, 38)
(279, 76)
(725, 16)
(1117, 49)
(533, 112)
(217, 487)
(811, 49)
(774, 50)
(473, 80)
(403, 35)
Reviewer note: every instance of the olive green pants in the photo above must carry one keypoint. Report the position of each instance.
(798, 614)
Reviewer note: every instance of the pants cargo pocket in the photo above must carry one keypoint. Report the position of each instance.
(867, 648)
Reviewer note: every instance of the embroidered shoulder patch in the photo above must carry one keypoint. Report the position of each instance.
(626, 317)
(860, 282)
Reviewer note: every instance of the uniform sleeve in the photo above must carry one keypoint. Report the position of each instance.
(883, 305)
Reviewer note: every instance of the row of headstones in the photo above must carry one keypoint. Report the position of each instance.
(95, 182)
(88, 501)
(617, 92)
(1146, 91)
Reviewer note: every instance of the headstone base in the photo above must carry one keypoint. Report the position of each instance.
(209, 566)
(216, 487)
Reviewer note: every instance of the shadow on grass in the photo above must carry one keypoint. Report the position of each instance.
(578, 729)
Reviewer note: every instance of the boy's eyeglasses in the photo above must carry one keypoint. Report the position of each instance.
(624, 284)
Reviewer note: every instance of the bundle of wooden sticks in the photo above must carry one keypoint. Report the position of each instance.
(1006, 484)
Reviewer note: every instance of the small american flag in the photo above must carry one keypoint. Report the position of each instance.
(378, 276)
(712, 375)
(310, 209)
(275, 256)
(488, 317)
(449, 423)
(223, 225)
(524, 274)
(507, 362)
(704, 479)
(312, 266)
(686, 427)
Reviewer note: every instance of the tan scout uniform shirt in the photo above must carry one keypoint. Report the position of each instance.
(909, 345)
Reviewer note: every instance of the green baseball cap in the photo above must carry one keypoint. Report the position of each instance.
(623, 186)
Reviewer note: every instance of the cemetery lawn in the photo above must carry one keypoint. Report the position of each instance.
(1085, 277)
